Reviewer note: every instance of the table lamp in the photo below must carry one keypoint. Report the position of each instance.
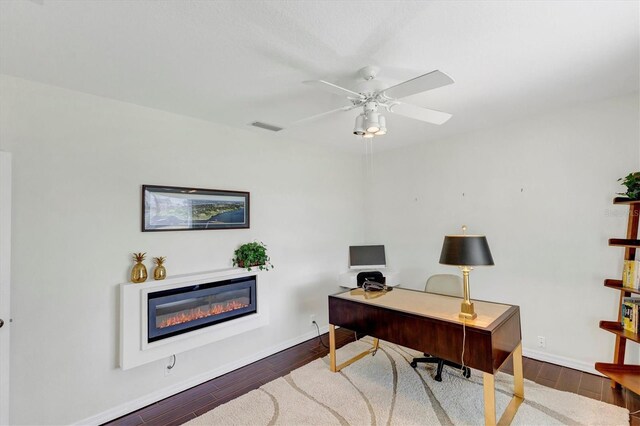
(466, 251)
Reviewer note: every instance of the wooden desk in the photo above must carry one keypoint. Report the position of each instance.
(429, 323)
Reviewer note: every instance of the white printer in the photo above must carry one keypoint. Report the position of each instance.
(367, 258)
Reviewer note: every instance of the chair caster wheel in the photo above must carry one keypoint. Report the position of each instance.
(438, 378)
(413, 364)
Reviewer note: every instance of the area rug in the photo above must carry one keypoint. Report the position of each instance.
(385, 390)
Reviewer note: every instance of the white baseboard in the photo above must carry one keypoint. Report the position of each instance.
(156, 396)
(560, 360)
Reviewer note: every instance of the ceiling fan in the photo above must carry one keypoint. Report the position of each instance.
(372, 96)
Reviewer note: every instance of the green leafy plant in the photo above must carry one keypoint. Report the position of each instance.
(252, 254)
(632, 182)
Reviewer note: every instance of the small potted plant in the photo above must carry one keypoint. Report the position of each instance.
(632, 182)
(252, 254)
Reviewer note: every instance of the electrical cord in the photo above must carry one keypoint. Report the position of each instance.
(464, 338)
(169, 367)
(355, 337)
(320, 338)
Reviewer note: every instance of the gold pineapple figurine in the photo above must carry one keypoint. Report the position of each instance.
(159, 273)
(139, 271)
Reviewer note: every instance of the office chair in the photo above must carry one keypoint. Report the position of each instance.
(448, 285)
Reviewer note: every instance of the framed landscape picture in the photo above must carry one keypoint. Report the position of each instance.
(172, 208)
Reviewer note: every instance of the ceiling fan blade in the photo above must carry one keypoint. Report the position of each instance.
(333, 88)
(425, 82)
(418, 113)
(321, 115)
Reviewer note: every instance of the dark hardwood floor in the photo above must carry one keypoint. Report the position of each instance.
(193, 402)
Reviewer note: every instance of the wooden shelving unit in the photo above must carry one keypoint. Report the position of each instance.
(621, 242)
(617, 285)
(625, 200)
(627, 375)
(622, 374)
(616, 328)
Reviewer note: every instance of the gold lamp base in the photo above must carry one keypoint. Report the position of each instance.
(466, 308)
(466, 311)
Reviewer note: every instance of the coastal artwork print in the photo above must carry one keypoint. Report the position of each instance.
(171, 208)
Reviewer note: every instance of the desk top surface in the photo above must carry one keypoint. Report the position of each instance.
(428, 304)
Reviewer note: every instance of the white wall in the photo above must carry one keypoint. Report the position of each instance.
(541, 191)
(79, 161)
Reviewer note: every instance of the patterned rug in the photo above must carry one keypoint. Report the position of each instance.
(385, 390)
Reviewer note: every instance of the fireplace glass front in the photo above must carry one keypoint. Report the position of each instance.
(177, 311)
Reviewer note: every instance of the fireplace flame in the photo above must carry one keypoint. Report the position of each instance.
(201, 312)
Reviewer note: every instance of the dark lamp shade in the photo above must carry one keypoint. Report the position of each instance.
(465, 250)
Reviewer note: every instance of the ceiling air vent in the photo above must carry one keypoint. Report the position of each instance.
(266, 126)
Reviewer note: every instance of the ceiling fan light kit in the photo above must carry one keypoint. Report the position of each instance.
(370, 98)
(372, 122)
(383, 126)
(358, 129)
(370, 125)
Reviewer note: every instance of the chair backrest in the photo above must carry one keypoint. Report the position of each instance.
(447, 284)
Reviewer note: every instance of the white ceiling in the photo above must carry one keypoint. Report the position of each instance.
(234, 62)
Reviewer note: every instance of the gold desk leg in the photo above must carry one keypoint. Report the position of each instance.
(489, 399)
(332, 348)
(518, 377)
(518, 388)
(332, 351)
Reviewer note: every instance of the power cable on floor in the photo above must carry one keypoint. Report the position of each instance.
(320, 338)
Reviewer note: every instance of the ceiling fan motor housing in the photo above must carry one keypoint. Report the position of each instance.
(370, 107)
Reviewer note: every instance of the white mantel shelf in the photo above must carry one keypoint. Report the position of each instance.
(134, 349)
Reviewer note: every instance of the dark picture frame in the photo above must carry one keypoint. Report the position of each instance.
(175, 208)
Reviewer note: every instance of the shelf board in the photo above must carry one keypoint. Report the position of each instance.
(625, 200)
(621, 242)
(627, 375)
(617, 285)
(616, 328)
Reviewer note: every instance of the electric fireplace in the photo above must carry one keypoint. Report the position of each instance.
(180, 310)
